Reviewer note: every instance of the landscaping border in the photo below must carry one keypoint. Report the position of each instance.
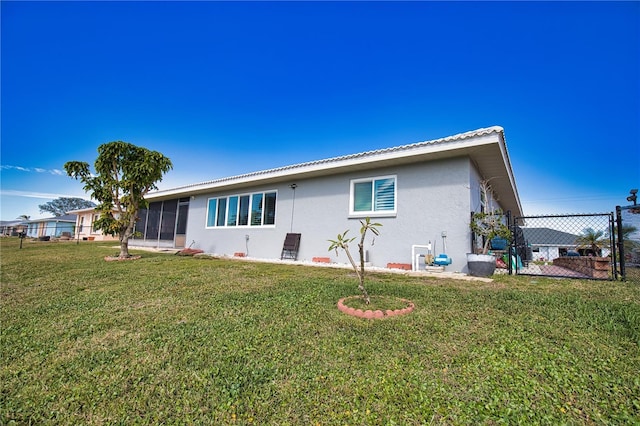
(378, 314)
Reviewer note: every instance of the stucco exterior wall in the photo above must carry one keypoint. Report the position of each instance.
(432, 197)
(84, 227)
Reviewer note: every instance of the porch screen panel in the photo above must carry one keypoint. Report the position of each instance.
(153, 220)
(168, 225)
(141, 224)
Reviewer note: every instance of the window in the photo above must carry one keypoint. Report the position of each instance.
(222, 211)
(243, 217)
(373, 196)
(483, 200)
(94, 219)
(257, 209)
(232, 211)
(270, 208)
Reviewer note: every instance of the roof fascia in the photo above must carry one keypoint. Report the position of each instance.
(465, 144)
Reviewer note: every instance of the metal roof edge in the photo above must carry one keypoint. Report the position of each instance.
(336, 162)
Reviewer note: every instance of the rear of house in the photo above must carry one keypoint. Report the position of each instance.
(421, 193)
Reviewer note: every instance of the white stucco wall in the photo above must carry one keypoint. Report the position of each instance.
(432, 197)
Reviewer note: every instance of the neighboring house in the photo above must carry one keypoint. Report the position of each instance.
(52, 226)
(416, 191)
(85, 230)
(11, 228)
(547, 244)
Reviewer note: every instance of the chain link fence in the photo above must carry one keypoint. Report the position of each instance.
(41, 232)
(570, 246)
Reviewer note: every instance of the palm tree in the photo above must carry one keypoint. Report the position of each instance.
(593, 240)
(24, 217)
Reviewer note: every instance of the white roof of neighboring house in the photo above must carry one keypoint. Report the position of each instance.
(11, 222)
(549, 237)
(486, 147)
(80, 211)
(64, 218)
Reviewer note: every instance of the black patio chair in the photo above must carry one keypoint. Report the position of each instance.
(290, 246)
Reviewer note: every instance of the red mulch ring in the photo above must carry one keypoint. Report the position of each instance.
(379, 314)
(189, 252)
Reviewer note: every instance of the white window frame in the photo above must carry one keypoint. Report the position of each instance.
(373, 212)
(226, 214)
(94, 219)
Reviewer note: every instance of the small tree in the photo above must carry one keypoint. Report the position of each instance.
(60, 206)
(489, 224)
(125, 173)
(24, 217)
(342, 242)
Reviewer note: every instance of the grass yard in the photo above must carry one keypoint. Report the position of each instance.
(176, 340)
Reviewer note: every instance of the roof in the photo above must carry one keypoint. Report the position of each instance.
(486, 147)
(10, 222)
(63, 218)
(84, 210)
(548, 237)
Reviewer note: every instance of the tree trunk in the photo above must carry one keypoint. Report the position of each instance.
(124, 247)
(124, 243)
(360, 274)
(125, 234)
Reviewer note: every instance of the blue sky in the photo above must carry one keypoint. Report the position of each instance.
(227, 88)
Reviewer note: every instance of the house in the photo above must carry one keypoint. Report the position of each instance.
(12, 228)
(418, 192)
(52, 226)
(85, 230)
(547, 244)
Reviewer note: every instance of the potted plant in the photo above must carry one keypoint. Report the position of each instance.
(488, 225)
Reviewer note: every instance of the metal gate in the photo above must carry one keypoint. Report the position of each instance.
(628, 242)
(569, 246)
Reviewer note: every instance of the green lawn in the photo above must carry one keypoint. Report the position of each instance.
(177, 340)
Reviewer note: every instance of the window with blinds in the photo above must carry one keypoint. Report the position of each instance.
(373, 196)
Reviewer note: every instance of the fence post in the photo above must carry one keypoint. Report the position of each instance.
(511, 244)
(623, 274)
